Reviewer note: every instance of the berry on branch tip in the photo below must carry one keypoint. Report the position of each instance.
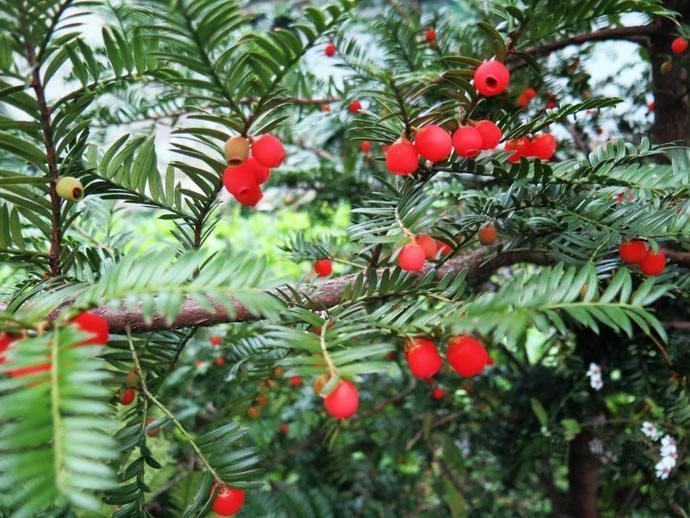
(343, 401)
(433, 143)
(411, 258)
(491, 78)
(402, 157)
(323, 267)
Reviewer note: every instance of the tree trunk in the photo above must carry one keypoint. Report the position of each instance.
(671, 110)
(583, 478)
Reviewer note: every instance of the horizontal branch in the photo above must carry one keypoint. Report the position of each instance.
(635, 33)
(323, 294)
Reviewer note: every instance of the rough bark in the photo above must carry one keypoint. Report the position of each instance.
(671, 106)
(583, 478)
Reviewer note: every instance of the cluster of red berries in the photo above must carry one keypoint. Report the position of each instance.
(228, 500)
(637, 251)
(90, 323)
(542, 147)
(412, 256)
(245, 174)
(526, 97)
(465, 354)
(435, 144)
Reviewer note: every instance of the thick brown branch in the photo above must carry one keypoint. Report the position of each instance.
(634, 33)
(324, 294)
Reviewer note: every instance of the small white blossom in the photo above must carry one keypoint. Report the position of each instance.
(667, 440)
(664, 467)
(596, 382)
(596, 447)
(669, 451)
(650, 430)
(593, 370)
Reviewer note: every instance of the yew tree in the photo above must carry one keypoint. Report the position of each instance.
(498, 327)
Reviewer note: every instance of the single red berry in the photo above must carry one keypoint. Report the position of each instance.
(228, 500)
(153, 431)
(329, 50)
(490, 360)
(430, 35)
(653, 263)
(296, 381)
(261, 173)
(466, 355)
(530, 93)
(491, 78)
(523, 101)
(679, 45)
(283, 428)
(268, 151)
(543, 146)
(253, 412)
(355, 107)
(240, 180)
(428, 245)
(391, 356)
(411, 258)
(5, 343)
(422, 357)
(467, 141)
(520, 147)
(199, 364)
(126, 396)
(365, 146)
(220, 361)
(325, 108)
(438, 393)
(633, 252)
(215, 340)
(487, 234)
(402, 157)
(261, 400)
(433, 143)
(444, 248)
(95, 325)
(343, 401)
(323, 267)
(490, 132)
(251, 198)
(651, 106)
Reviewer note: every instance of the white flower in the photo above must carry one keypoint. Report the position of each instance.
(596, 382)
(593, 370)
(596, 447)
(650, 430)
(669, 451)
(667, 440)
(664, 467)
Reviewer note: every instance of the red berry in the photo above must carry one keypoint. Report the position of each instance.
(95, 325)
(153, 431)
(433, 143)
(199, 364)
(323, 267)
(228, 500)
(523, 101)
(329, 50)
(491, 78)
(422, 357)
(633, 252)
(428, 245)
(325, 108)
(251, 198)
(490, 132)
(220, 361)
(283, 428)
(343, 401)
(411, 258)
(466, 355)
(261, 400)
(679, 45)
(126, 396)
(296, 381)
(5, 343)
(430, 35)
(490, 360)
(487, 234)
(651, 106)
(467, 141)
(543, 146)
(550, 105)
(520, 146)
(261, 173)
(444, 248)
(438, 393)
(215, 340)
(365, 146)
(355, 107)
(240, 180)
(653, 263)
(268, 151)
(530, 93)
(391, 356)
(402, 157)
(253, 412)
